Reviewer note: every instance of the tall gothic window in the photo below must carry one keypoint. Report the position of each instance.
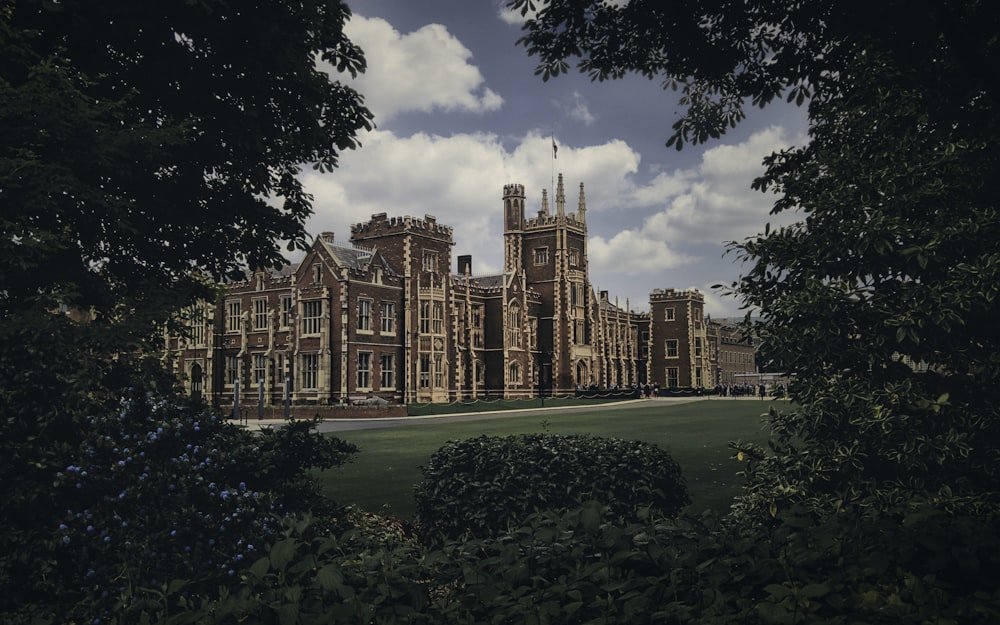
(514, 325)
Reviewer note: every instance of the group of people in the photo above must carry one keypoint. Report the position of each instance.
(748, 390)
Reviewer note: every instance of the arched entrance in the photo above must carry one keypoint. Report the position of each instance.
(197, 380)
(582, 375)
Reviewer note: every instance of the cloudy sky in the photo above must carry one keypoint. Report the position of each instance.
(460, 113)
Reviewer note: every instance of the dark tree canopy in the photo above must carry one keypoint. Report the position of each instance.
(727, 55)
(882, 298)
(146, 144)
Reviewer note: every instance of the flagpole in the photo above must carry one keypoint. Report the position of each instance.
(552, 182)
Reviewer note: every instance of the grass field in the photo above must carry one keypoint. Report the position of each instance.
(696, 434)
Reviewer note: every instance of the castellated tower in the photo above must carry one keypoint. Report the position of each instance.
(551, 249)
(421, 250)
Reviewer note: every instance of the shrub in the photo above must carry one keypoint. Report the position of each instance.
(483, 485)
(156, 492)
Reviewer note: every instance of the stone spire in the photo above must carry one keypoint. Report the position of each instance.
(581, 210)
(560, 198)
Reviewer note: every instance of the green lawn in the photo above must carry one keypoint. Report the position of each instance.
(696, 434)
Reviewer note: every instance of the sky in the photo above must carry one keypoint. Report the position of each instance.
(459, 113)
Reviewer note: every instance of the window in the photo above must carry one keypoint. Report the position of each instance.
(430, 261)
(514, 326)
(671, 377)
(425, 371)
(425, 316)
(574, 257)
(259, 368)
(232, 369)
(514, 373)
(697, 377)
(196, 325)
(672, 348)
(286, 311)
(668, 314)
(234, 317)
(365, 315)
(697, 346)
(438, 370)
(387, 317)
(579, 337)
(438, 318)
(532, 332)
(260, 313)
(387, 371)
(317, 273)
(477, 325)
(541, 255)
(310, 370)
(312, 314)
(364, 369)
(478, 372)
(279, 369)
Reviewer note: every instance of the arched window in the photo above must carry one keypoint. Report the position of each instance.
(196, 381)
(514, 325)
(514, 373)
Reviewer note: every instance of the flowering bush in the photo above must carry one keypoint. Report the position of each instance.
(160, 492)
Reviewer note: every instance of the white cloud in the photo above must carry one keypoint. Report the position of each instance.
(426, 70)
(577, 109)
(634, 254)
(459, 179)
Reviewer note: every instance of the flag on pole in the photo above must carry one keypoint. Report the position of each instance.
(555, 149)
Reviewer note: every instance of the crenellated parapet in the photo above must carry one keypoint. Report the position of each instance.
(380, 225)
(671, 294)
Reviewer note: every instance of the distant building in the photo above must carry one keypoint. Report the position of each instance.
(385, 315)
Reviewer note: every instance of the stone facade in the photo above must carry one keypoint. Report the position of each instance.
(385, 315)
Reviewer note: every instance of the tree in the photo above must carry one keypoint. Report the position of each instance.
(147, 149)
(724, 56)
(881, 299)
(894, 260)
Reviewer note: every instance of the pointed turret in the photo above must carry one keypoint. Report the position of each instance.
(545, 204)
(581, 209)
(560, 198)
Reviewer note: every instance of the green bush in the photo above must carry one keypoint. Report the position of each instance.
(485, 484)
(156, 492)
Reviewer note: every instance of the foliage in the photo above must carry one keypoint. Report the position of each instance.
(893, 339)
(155, 493)
(308, 577)
(485, 484)
(144, 146)
(881, 299)
(724, 56)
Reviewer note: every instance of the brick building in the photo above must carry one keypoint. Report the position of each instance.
(385, 314)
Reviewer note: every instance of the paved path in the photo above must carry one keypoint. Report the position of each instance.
(344, 425)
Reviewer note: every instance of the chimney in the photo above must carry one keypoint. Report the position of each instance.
(327, 237)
